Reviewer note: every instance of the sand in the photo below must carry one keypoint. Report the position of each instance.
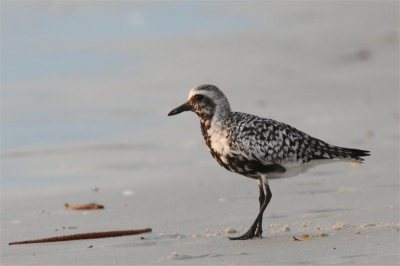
(329, 69)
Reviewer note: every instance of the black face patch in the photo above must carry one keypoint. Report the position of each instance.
(198, 97)
(203, 106)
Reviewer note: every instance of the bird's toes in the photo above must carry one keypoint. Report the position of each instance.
(240, 238)
(248, 235)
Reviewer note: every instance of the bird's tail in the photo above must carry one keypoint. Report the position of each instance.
(326, 151)
(356, 154)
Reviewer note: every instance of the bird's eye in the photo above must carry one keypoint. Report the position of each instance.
(198, 97)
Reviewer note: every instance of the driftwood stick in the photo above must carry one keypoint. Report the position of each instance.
(84, 236)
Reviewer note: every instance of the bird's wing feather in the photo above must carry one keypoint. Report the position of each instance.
(267, 140)
(273, 142)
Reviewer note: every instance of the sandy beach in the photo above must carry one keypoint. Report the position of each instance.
(84, 120)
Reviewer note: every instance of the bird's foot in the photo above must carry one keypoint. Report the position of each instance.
(259, 232)
(248, 235)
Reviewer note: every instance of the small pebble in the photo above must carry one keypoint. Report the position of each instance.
(229, 230)
(367, 225)
(285, 228)
(369, 133)
(128, 193)
(321, 234)
(340, 226)
(241, 253)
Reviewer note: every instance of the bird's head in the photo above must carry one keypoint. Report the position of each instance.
(206, 101)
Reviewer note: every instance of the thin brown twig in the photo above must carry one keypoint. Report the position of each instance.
(84, 236)
(90, 206)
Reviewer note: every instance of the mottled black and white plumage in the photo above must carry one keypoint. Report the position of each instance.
(256, 147)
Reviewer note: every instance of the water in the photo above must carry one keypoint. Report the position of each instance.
(56, 55)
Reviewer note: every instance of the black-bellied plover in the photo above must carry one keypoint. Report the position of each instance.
(259, 148)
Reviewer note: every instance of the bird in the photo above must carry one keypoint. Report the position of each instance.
(256, 147)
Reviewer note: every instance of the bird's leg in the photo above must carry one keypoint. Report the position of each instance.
(251, 232)
(261, 200)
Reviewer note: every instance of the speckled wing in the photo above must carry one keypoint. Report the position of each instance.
(272, 142)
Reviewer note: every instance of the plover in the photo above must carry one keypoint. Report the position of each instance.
(256, 147)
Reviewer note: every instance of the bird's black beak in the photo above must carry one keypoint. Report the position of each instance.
(184, 107)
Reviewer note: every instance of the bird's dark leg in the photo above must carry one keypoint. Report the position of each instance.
(252, 230)
(261, 200)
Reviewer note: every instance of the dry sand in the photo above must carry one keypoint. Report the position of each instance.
(330, 70)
